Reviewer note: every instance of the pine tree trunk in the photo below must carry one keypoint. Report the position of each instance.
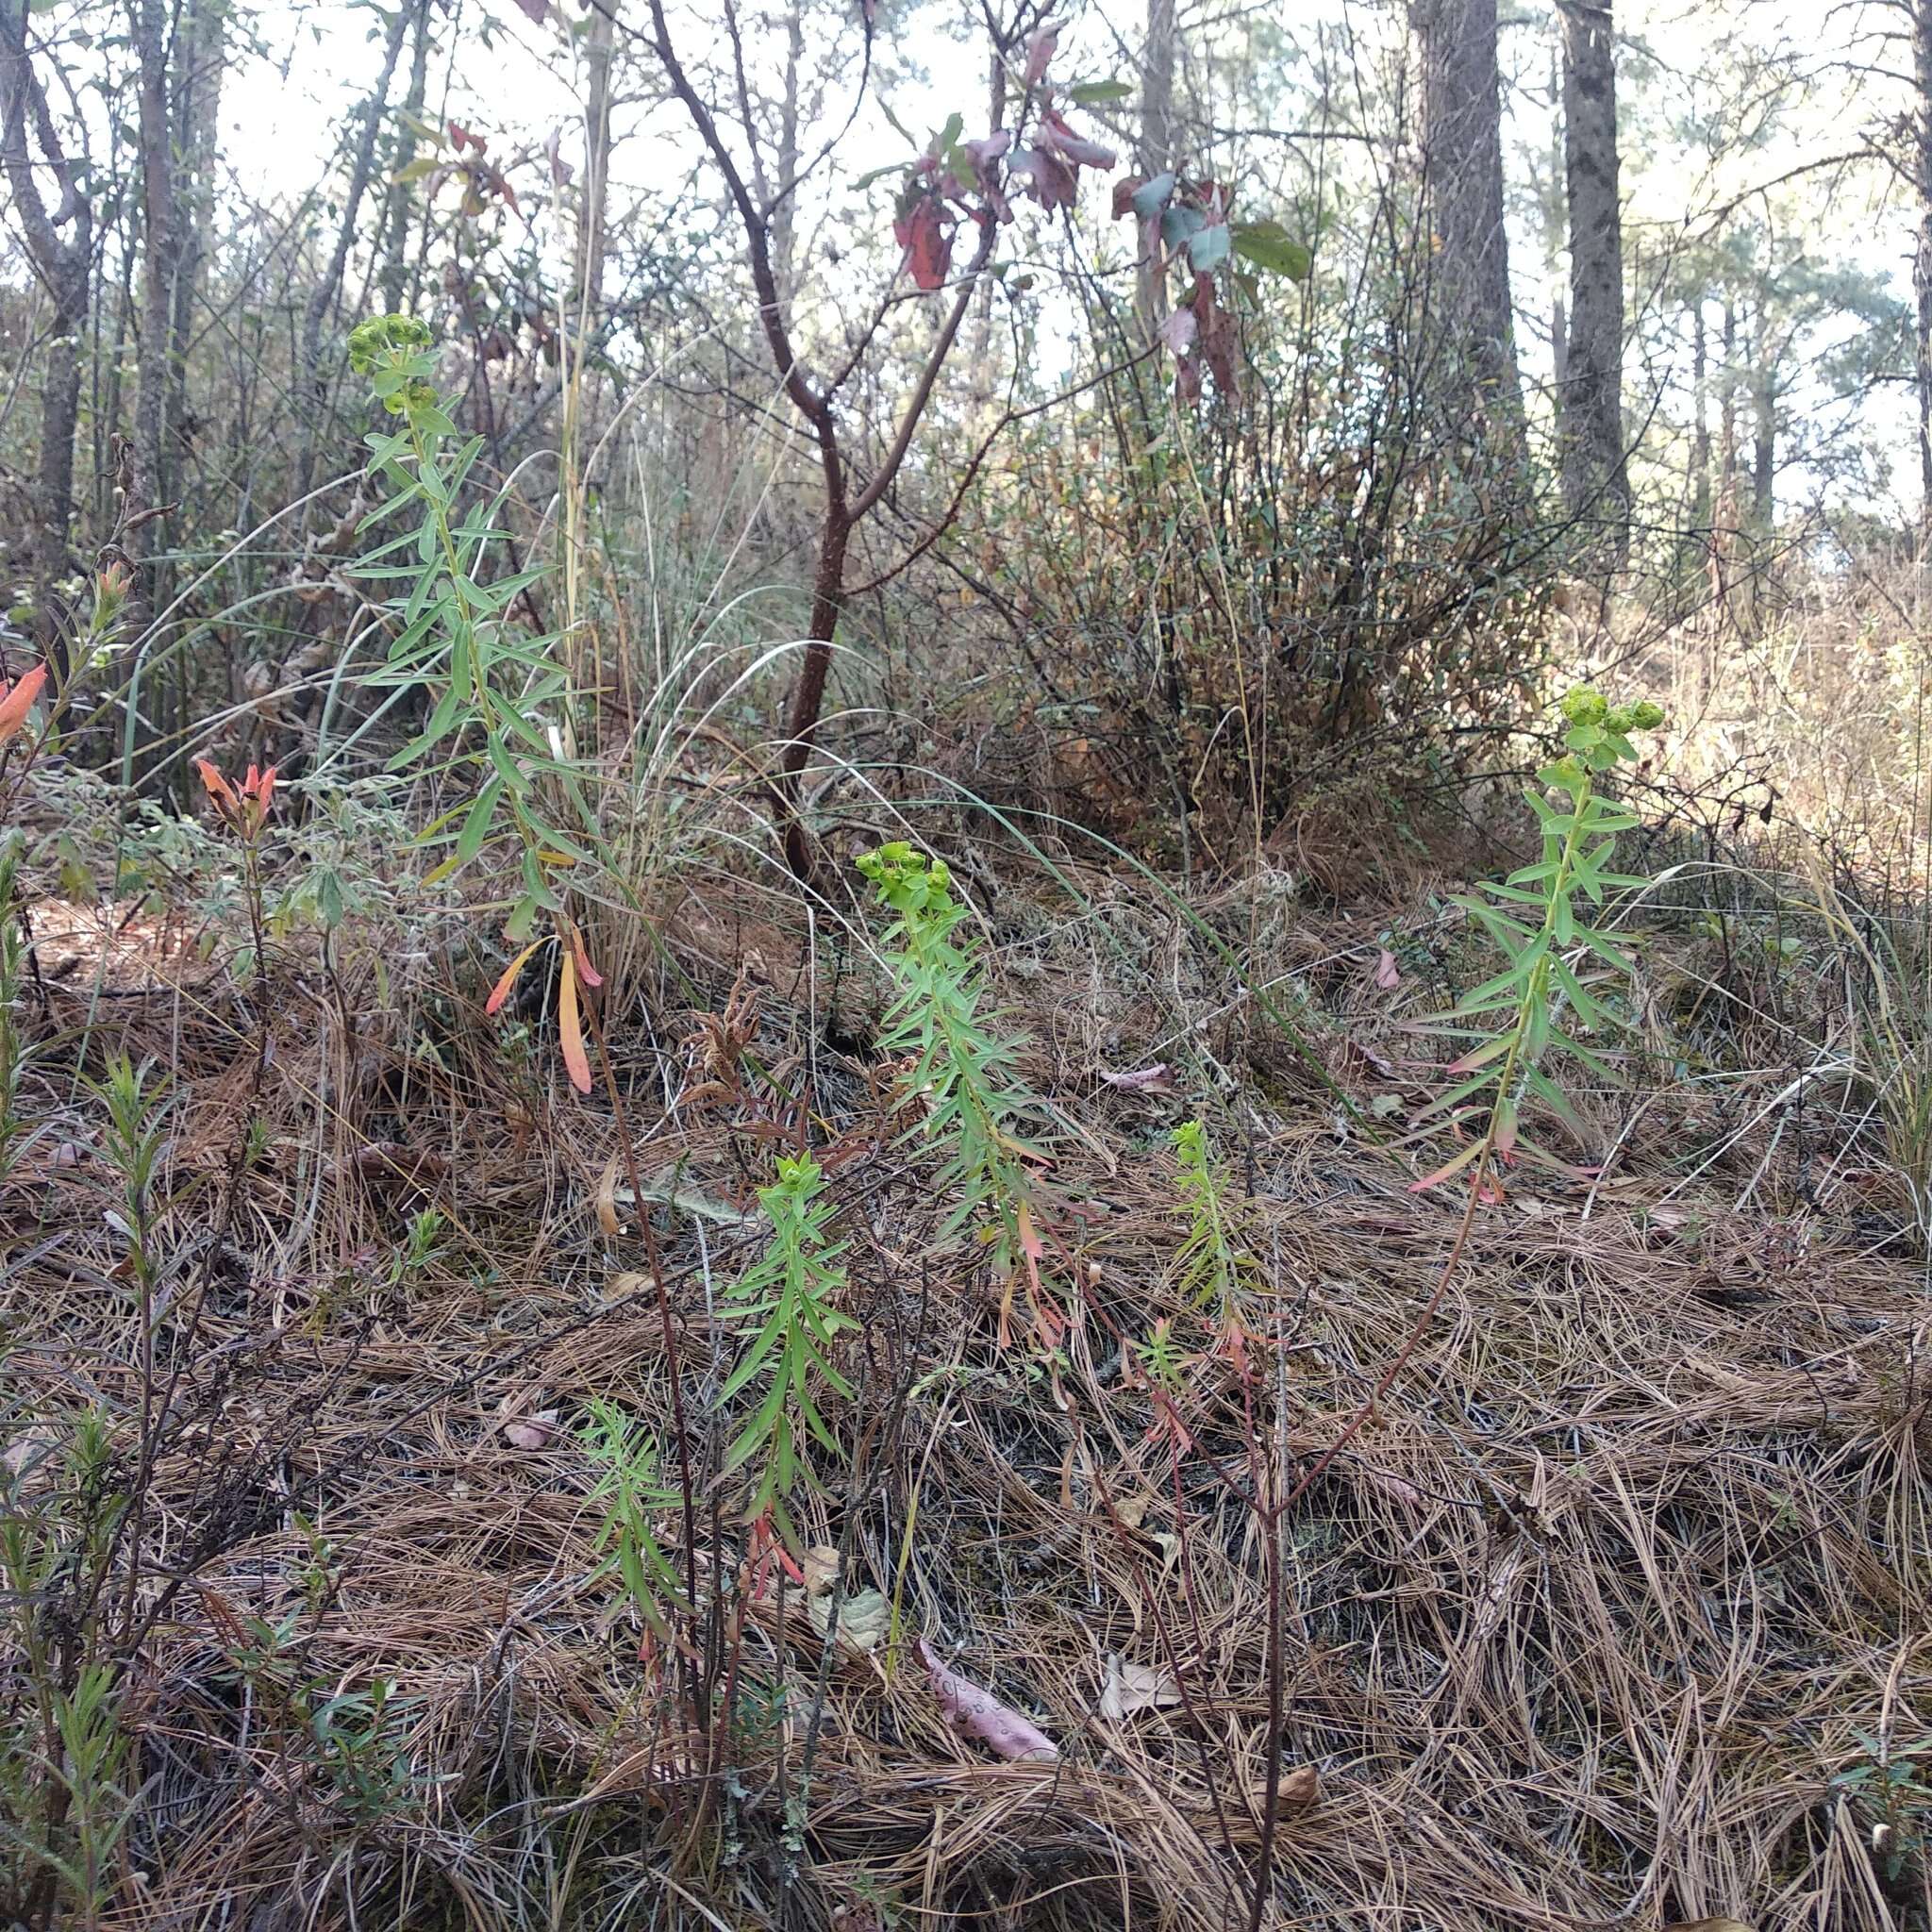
(195, 117)
(1922, 265)
(1699, 440)
(150, 470)
(64, 268)
(1462, 142)
(1596, 479)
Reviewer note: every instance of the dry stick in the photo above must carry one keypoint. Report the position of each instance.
(668, 1325)
(1272, 1516)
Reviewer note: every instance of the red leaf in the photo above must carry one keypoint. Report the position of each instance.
(1179, 330)
(1125, 190)
(927, 242)
(461, 138)
(1049, 180)
(1040, 51)
(1076, 148)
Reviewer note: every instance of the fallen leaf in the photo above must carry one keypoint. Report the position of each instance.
(1298, 1787)
(1388, 976)
(820, 1564)
(1159, 1079)
(606, 1198)
(981, 1715)
(533, 1432)
(864, 1618)
(1717, 1925)
(1136, 1686)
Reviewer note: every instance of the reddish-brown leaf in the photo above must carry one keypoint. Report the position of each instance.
(570, 1027)
(927, 240)
(1040, 51)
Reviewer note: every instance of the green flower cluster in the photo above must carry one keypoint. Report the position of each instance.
(394, 351)
(1599, 732)
(909, 884)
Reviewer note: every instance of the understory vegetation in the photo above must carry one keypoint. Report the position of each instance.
(905, 1029)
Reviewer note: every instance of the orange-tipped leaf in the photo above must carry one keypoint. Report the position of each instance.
(500, 991)
(17, 700)
(570, 1028)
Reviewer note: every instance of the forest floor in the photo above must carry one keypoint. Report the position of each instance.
(1615, 1608)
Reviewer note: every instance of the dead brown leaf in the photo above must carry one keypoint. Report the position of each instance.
(1131, 1688)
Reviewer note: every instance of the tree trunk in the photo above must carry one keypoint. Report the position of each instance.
(1764, 452)
(1462, 173)
(63, 267)
(1699, 440)
(150, 470)
(314, 385)
(195, 117)
(593, 205)
(1922, 264)
(395, 218)
(1596, 478)
(785, 215)
(1157, 148)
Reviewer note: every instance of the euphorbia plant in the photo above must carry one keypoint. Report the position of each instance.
(1545, 991)
(493, 682)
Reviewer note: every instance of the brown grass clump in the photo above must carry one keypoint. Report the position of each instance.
(1614, 1612)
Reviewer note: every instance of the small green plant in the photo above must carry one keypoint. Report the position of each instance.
(1893, 1788)
(1534, 920)
(14, 1049)
(63, 1803)
(502, 702)
(790, 1292)
(1214, 1267)
(626, 1459)
(964, 1069)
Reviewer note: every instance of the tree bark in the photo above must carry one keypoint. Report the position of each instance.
(395, 218)
(594, 204)
(195, 116)
(1462, 174)
(149, 470)
(1597, 476)
(1157, 148)
(322, 297)
(1700, 439)
(1763, 452)
(63, 267)
(1921, 263)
